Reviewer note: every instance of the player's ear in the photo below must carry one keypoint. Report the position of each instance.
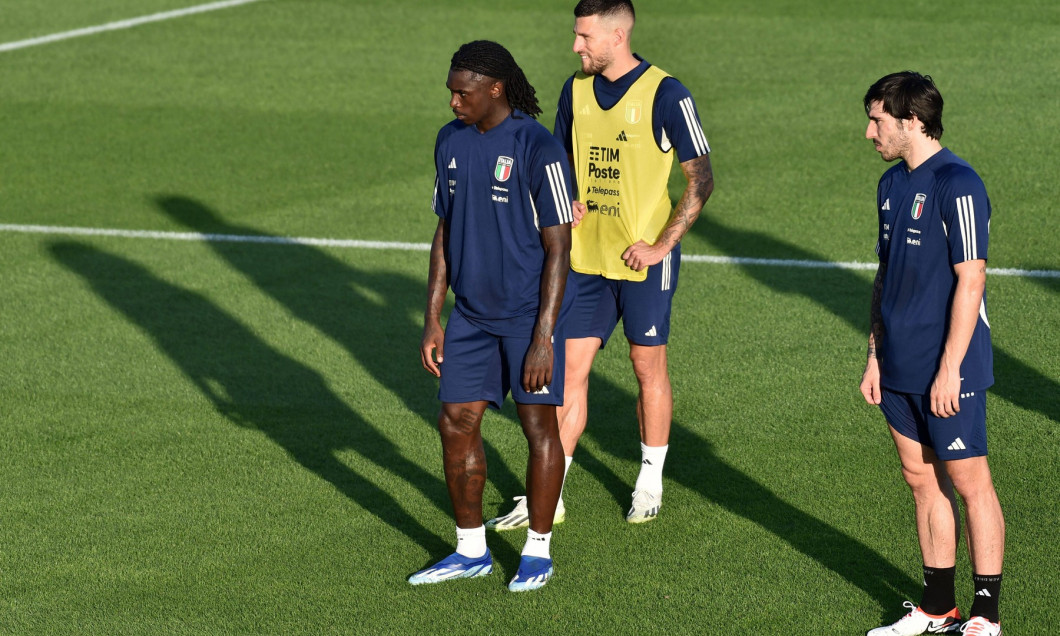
(497, 89)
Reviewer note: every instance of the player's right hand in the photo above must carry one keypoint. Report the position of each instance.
(579, 212)
(870, 382)
(432, 347)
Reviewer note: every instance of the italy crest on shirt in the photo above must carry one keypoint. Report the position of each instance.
(918, 205)
(634, 110)
(504, 168)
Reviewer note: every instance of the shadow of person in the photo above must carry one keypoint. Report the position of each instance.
(847, 294)
(367, 311)
(694, 464)
(256, 386)
(373, 314)
(1051, 283)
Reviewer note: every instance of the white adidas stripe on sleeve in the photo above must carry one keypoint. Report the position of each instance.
(559, 192)
(966, 217)
(699, 140)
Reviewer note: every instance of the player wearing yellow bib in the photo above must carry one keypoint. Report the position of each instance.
(621, 174)
(622, 121)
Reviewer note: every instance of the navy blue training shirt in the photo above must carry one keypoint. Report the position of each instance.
(930, 220)
(495, 190)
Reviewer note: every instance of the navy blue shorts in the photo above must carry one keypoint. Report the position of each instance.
(644, 306)
(957, 437)
(481, 366)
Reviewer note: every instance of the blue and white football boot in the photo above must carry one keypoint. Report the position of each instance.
(533, 573)
(454, 566)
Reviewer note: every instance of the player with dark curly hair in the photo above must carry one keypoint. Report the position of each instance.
(503, 199)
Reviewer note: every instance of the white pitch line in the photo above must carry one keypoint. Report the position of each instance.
(425, 247)
(773, 262)
(122, 24)
(230, 238)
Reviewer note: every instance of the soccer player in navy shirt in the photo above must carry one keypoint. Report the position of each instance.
(503, 199)
(929, 355)
(623, 122)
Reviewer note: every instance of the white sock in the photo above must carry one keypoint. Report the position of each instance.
(537, 544)
(566, 468)
(471, 542)
(651, 467)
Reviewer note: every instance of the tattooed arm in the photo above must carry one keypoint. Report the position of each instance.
(700, 178)
(870, 380)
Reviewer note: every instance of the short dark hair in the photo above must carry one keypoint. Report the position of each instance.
(906, 94)
(604, 8)
(493, 60)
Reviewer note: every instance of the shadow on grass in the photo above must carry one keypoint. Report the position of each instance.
(1051, 284)
(372, 314)
(837, 289)
(693, 463)
(256, 386)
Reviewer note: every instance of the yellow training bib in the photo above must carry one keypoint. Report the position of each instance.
(622, 176)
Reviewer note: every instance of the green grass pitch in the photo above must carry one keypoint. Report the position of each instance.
(237, 438)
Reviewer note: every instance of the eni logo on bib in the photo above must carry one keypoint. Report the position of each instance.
(918, 205)
(504, 168)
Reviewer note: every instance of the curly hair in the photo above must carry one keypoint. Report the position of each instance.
(493, 60)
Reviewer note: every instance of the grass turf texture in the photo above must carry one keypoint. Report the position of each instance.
(226, 438)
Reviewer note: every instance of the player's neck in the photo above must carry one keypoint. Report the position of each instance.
(623, 63)
(920, 151)
(493, 120)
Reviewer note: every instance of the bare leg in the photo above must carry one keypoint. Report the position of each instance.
(544, 467)
(464, 460)
(655, 401)
(937, 523)
(986, 524)
(574, 414)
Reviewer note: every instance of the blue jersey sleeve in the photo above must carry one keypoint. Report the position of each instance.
(681, 128)
(565, 116)
(440, 202)
(965, 211)
(882, 234)
(549, 179)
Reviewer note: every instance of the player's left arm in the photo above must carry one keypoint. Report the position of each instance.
(966, 214)
(682, 126)
(537, 367)
(964, 314)
(700, 178)
(551, 190)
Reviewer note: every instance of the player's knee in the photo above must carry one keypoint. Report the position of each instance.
(540, 427)
(649, 364)
(923, 480)
(544, 446)
(975, 486)
(456, 424)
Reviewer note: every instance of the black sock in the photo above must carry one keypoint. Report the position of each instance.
(987, 595)
(938, 597)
